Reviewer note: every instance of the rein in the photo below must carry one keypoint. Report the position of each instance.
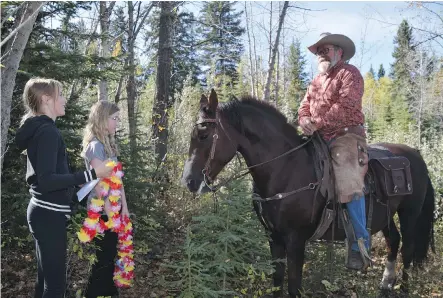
(246, 170)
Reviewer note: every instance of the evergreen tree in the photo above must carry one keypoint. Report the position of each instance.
(243, 86)
(221, 32)
(222, 245)
(298, 78)
(403, 46)
(381, 72)
(402, 81)
(185, 62)
(372, 72)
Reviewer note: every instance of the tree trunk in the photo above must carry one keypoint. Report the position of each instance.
(134, 27)
(277, 79)
(255, 73)
(11, 61)
(119, 89)
(104, 52)
(270, 35)
(130, 84)
(251, 72)
(285, 77)
(422, 82)
(161, 103)
(266, 92)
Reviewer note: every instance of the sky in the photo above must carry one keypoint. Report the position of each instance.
(368, 24)
(372, 25)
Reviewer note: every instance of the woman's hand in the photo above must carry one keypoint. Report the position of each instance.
(102, 170)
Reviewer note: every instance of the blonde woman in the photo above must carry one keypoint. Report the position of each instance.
(98, 145)
(50, 181)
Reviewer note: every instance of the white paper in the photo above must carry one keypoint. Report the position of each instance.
(86, 189)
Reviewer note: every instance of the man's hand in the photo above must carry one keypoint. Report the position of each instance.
(308, 126)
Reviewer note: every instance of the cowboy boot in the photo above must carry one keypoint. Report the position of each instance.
(358, 257)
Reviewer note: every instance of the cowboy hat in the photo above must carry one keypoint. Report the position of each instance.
(342, 41)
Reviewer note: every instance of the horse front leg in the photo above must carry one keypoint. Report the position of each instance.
(278, 253)
(295, 250)
(392, 237)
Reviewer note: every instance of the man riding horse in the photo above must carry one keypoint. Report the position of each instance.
(332, 106)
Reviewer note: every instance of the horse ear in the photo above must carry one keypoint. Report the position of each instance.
(203, 101)
(213, 100)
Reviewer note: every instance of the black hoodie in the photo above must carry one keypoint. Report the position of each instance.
(48, 173)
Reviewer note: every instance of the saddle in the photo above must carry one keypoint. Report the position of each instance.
(387, 175)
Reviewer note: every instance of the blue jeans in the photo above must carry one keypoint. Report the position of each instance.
(357, 213)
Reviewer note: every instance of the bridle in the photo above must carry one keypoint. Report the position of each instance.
(205, 170)
(246, 170)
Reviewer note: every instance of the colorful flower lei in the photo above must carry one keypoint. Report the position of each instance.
(93, 224)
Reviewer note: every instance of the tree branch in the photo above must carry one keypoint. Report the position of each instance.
(426, 40)
(419, 29)
(307, 9)
(433, 12)
(21, 25)
(143, 20)
(12, 13)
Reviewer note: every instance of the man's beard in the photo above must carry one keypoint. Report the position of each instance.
(326, 64)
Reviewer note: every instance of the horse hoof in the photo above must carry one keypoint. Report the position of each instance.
(389, 277)
(387, 283)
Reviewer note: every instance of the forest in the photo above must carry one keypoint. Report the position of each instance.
(155, 59)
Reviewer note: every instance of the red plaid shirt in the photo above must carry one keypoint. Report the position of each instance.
(334, 100)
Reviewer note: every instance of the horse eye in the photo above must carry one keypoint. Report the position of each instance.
(202, 137)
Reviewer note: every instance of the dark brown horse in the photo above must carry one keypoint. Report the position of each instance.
(260, 133)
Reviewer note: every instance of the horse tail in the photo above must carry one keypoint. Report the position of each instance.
(424, 231)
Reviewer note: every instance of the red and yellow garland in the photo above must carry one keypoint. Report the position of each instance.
(93, 224)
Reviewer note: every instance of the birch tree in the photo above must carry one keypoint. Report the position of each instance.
(15, 44)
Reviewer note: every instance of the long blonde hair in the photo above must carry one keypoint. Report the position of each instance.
(98, 127)
(35, 88)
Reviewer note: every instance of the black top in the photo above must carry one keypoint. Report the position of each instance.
(48, 173)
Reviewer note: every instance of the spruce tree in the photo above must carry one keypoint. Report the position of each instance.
(381, 72)
(402, 81)
(297, 76)
(372, 72)
(222, 46)
(185, 61)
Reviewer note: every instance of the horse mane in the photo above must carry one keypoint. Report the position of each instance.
(235, 109)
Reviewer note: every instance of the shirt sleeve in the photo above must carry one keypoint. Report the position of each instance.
(349, 100)
(95, 150)
(48, 143)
